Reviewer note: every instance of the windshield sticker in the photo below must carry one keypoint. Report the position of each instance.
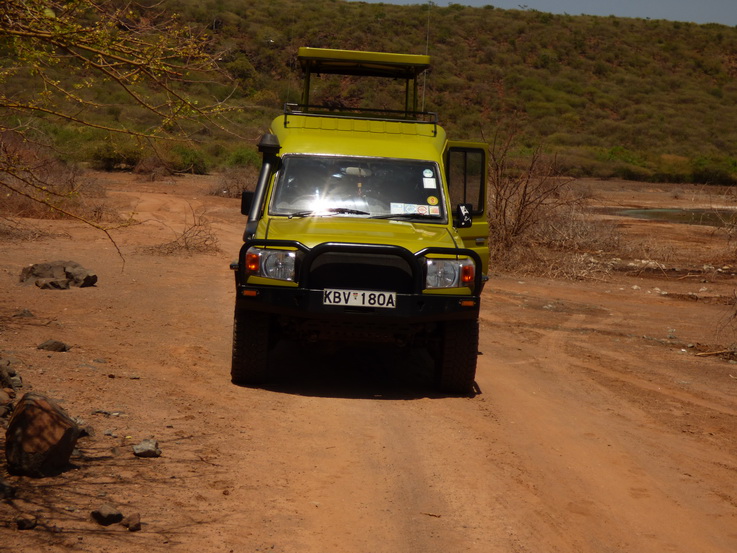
(430, 182)
(414, 209)
(432, 200)
(427, 173)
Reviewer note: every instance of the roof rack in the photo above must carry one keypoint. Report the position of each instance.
(364, 64)
(386, 115)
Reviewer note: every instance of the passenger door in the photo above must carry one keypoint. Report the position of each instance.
(466, 174)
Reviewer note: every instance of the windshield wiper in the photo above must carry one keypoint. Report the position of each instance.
(338, 210)
(347, 211)
(302, 213)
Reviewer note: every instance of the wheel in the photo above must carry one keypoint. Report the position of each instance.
(456, 356)
(253, 336)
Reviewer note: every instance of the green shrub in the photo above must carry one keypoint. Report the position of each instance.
(187, 159)
(109, 156)
(243, 156)
(714, 170)
(713, 175)
(631, 172)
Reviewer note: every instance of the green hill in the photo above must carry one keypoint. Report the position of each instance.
(634, 98)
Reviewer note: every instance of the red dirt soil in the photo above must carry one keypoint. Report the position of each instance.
(597, 427)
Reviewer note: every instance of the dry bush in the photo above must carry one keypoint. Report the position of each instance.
(196, 237)
(37, 186)
(522, 193)
(12, 228)
(234, 181)
(649, 252)
(543, 262)
(152, 168)
(563, 243)
(568, 227)
(536, 218)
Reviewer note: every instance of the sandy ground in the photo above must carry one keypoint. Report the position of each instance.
(597, 427)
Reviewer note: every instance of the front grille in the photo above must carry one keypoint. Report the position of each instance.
(358, 271)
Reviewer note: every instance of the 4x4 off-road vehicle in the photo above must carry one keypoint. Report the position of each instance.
(364, 226)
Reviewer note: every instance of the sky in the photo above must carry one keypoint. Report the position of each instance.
(696, 11)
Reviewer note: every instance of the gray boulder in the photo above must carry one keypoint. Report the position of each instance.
(54, 345)
(107, 514)
(40, 437)
(58, 275)
(147, 448)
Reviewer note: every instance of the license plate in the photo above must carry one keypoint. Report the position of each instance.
(360, 298)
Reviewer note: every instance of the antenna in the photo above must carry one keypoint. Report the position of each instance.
(427, 53)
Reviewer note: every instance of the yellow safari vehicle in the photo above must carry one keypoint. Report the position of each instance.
(364, 225)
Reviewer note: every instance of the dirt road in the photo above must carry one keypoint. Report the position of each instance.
(596, 428)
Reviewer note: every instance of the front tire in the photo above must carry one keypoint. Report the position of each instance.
(456, 356)
(252, 337)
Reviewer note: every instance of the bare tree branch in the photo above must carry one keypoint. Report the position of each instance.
(104, 46)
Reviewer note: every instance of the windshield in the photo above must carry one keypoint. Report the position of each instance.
(364, 187)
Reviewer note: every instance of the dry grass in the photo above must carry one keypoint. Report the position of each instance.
(197, 236)
(14, 229)
(234, 181)
(563, 242)
(35, 185)
(152, 169)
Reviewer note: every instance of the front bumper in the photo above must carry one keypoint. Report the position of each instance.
(303, 306)
(305, 303)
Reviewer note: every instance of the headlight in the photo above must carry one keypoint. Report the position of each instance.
(276, 264)
(449, 273)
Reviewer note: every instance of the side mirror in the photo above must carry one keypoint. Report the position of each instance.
(246, 201)
(463, 216)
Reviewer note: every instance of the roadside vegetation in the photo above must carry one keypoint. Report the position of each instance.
(638, 99)
(173, 86)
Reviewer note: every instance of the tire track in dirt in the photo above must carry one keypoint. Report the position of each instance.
(604, 480)
(575, 442)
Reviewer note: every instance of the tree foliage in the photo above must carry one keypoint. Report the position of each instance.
(63, 60)
(146, 55)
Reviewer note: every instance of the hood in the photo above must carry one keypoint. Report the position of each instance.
(312, 231)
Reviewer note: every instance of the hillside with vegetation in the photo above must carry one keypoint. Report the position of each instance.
(610, 97)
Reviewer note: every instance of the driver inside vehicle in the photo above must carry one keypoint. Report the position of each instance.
(347, 184)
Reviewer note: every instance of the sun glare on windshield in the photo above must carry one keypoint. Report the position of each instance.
(358, 187)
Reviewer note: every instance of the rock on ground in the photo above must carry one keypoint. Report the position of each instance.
(147, 448)
(9, 378)
(132, 522)
(107, 514)
(40, 437)
(58, 275)
(54, 345)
